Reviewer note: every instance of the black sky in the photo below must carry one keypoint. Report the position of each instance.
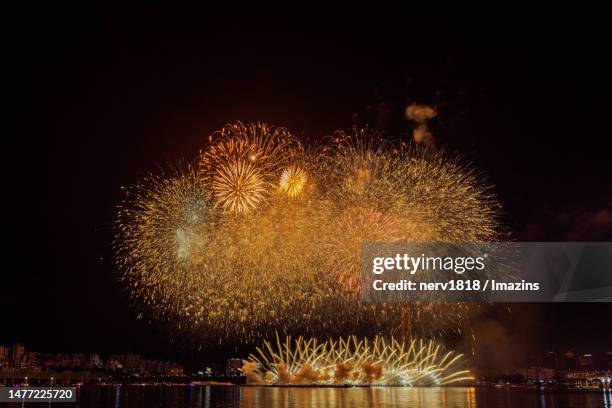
(99, 97)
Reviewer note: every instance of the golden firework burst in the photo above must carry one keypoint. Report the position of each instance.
(244, 162)
(238, 186)
(354, 361)
(292, 265)
(292, 181)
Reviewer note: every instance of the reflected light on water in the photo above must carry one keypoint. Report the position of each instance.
(357, 397)
(219, 396)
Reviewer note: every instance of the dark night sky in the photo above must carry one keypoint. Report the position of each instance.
(101, 96)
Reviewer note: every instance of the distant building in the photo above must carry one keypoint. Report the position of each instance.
(78, 360)
(569, 360)
(4, 355)
(539, 374)
(134, 364)
(94, 361)
(170, 369)
(31, 360)
(553, 360)
(115, 362)
(133, 361)
(608, 360)
(17, 353)
(152, 366)
(585, 360)
(232, 367)
(64, 360)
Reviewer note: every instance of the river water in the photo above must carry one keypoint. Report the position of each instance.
(179, 396)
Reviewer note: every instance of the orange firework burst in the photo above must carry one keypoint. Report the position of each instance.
(244, 162)
(293, 264)
(239, 186)
(353, 227)
(292, 181)
(354, 361)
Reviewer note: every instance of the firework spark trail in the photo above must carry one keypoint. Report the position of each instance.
(266, 237)
(353, 361)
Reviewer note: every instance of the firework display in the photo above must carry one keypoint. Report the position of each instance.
(292, 181)
(164, 227)
(245, 162)
(265, 235)
(353, 361)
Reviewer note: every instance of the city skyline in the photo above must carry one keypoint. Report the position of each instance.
(18, 357)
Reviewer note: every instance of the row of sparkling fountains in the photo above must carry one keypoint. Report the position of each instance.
(263, 235)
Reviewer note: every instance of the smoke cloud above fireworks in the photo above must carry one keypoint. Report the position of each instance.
(420, 114)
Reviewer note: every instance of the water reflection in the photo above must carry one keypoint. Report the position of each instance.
(357, 397)
(192, 396)
(608, 399)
